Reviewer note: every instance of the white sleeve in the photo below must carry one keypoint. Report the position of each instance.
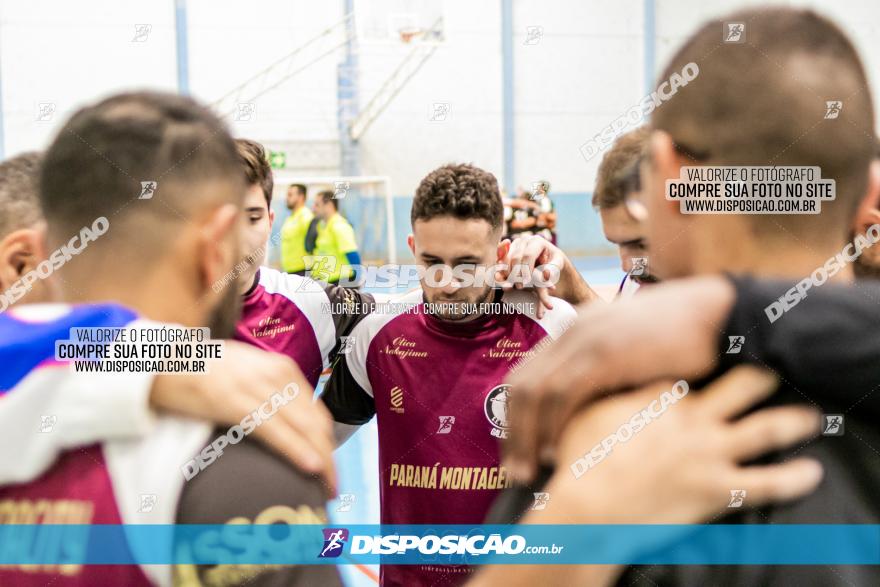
(52, 410)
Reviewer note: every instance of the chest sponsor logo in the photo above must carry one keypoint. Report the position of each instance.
(404, 348)
(396, 400)
(495, 407)
(507, 349)
(269, 326)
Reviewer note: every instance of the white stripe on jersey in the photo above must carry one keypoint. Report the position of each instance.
(309, 296)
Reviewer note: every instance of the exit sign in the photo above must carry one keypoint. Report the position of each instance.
(277, 159)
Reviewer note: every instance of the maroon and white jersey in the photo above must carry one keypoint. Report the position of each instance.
(299, 317)
(437, 390)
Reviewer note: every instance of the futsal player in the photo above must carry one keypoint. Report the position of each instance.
(172, 248)
(764, 81)
(433, 374)
(120, 407)
(616, 199)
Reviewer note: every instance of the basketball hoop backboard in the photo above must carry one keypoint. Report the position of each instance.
(399, 21)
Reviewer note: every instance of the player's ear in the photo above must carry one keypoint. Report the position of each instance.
(19, 254)
(219, 243)
(411, 243)
(868, 212)
(271, 218)
(664, 159)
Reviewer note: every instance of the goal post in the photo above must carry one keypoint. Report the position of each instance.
(365, 200)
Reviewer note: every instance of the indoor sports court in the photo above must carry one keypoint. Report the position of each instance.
(257, 177)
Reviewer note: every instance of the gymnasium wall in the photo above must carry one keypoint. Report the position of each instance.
(587, 67)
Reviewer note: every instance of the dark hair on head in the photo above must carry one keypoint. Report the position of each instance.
(19, 192)
(614, 180)
(300, 187)
(459, 190)
(257, 170)
(767, 102)
(326, 196)
(97, 163)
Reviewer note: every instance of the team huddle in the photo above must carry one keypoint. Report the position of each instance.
(485, 394)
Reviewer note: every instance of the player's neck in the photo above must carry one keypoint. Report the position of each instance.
(159, 296)
(770, 260)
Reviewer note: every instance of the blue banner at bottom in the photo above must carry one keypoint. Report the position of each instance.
(764, 544)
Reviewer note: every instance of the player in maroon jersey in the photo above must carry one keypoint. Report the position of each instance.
(433, 373)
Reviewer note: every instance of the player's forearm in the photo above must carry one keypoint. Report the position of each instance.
(572, 287)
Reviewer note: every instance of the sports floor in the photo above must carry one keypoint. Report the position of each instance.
(356, 460)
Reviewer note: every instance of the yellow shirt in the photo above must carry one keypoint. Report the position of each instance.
(293, 240)
(335, 239)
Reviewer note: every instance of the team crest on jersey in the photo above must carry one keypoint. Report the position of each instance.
(496, 409)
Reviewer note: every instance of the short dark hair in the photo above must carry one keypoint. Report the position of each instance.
(257, 170)
(19, 192)
(326, 196)
(299, 187)
(461, 191)
(618, 172)
(99, 160)
(764, 102)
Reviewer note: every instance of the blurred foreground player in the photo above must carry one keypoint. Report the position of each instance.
(174, 247)
(688, 129)
(616, 197)
(121, 406)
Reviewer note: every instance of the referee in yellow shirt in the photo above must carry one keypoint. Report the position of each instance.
(294, 229)
(335, 242)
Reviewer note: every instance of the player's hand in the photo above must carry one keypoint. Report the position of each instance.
(681, 467)
(301, 431)
(531, 252)
(667, 330)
